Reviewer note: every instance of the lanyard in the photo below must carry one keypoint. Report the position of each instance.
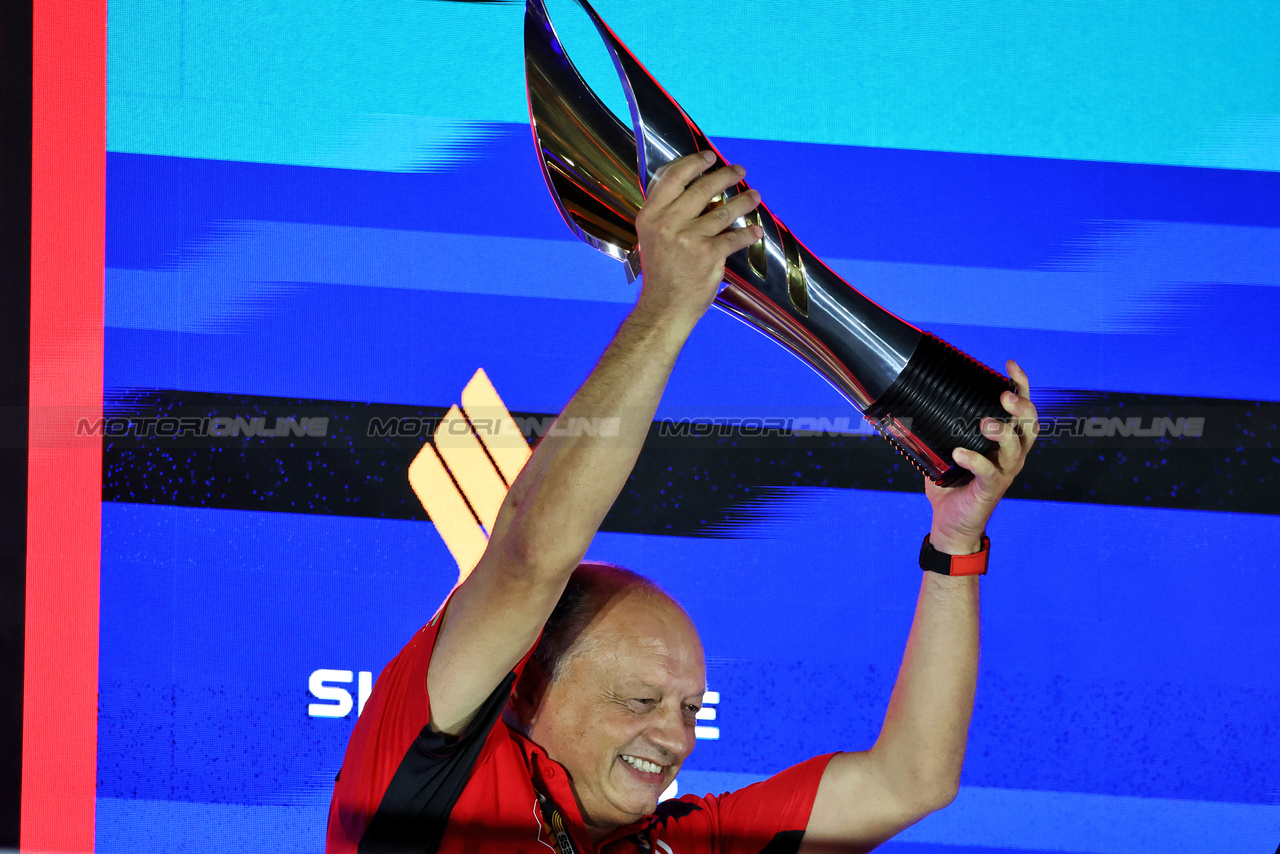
(564, 843)
(555, 822)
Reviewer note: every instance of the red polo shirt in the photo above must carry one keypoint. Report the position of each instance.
(406, 788)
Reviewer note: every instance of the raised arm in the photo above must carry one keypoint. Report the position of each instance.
(555, 506)
(914, 768)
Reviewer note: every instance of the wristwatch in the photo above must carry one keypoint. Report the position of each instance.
(945, 564)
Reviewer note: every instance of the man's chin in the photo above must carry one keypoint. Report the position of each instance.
(619, 813)
(637, 805)
(635, 802)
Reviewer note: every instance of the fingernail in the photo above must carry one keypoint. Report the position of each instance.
(709, 156)
(740, 169)
(759, 232)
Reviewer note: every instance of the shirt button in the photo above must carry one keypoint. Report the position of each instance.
(551, 772)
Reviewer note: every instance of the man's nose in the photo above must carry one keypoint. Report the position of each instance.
(669, 733)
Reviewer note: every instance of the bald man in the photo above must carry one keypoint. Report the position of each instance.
(549, 703)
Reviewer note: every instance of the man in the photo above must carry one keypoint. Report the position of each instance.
(473, 740)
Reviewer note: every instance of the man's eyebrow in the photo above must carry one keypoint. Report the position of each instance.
(641, 686)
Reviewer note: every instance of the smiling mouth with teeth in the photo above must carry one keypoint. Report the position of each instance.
(642, 764)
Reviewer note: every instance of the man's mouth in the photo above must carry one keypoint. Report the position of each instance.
(644, 766)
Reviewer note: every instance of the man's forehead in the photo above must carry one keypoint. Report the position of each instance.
(653, 663)
(660, 653)
(644, 635)
(649, 626)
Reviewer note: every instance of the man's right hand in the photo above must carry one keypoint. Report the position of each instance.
(552, 511)
(683, 245)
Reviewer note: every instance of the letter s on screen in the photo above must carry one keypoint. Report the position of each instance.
(340, 706)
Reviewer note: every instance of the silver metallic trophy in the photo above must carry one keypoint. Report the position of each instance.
(923, 395)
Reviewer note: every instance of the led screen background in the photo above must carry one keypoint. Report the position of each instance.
(334, 210)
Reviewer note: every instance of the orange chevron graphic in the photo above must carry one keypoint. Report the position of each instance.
(462, 478)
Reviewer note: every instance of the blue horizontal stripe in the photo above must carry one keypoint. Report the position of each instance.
(388, 345)
(1135, 277)
(917, 207)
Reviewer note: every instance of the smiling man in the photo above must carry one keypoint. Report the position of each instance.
(550, 702)
(613, 691)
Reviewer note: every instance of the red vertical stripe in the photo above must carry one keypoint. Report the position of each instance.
(68, 179)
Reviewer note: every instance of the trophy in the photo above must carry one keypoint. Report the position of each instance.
(919, 392)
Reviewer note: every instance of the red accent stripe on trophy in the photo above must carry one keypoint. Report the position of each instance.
(68, 179)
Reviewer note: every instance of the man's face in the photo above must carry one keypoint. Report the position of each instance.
(620, 718)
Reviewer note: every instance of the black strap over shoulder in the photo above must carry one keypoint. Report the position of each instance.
(417, 804)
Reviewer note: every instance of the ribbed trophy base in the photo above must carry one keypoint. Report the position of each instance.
(940, 398)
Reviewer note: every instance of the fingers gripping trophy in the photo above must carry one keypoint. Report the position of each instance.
(922, 394)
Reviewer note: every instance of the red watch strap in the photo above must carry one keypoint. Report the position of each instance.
(974, 564)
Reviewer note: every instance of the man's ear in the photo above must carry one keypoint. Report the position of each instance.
(526, 695)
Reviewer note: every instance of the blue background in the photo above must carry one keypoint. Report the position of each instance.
(341, 201)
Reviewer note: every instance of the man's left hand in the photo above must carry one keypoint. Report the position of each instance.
(960, 514)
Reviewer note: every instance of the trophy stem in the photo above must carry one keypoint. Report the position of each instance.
(939, 400)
